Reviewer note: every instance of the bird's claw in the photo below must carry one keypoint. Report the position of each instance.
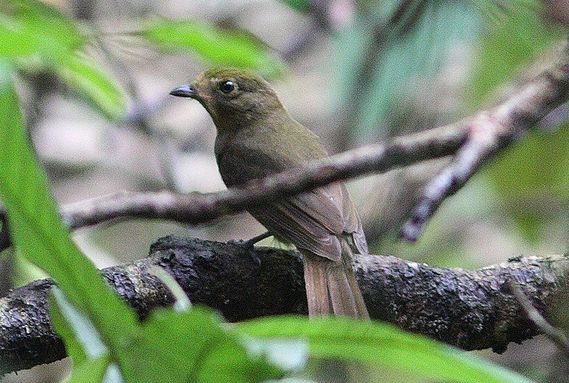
(249, 246)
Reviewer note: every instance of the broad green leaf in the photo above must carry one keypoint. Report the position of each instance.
(84, 75)
(287, 354)
(219, 47)
(38, 232)
(81, 338)
(182, 302)
(515, 39)
(380, 344)
(30, 28)
(90, 371)
(192, 346)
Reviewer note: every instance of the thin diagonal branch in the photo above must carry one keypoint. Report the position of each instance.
(488, 133)
(554, 334)
(468, 309)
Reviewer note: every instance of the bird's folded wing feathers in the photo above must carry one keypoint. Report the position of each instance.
(353, 223)
(289, 227)
(314, 220)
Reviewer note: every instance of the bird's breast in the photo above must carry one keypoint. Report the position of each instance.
(262, 150)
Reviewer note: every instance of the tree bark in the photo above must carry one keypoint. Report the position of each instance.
(467, 309)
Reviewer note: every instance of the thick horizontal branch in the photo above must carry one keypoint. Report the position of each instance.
(468, 309)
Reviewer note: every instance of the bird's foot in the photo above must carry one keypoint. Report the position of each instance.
(249, 245)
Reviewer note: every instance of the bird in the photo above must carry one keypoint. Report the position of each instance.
(257, 137)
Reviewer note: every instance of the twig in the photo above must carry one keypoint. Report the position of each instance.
(489, 132)
(198, 208)
(554, 334)
(468, 309)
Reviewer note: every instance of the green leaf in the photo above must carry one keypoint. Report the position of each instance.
(380, 344)
(500, 55)
(40, 235)
(35, 35)
(90, 371)
(219, 47)
(182, 302)
(192, 346)
(30, 28)
(81, 338)
(84, 75)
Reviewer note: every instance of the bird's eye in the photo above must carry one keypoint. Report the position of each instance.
(227, 86)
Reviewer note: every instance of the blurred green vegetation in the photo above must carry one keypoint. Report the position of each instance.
(512, 41)
(528, 183)
(531, 176)
(38, 37)
(535, 172)
(218, 47)
(414, 48)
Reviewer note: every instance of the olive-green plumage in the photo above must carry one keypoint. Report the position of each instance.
(257, 137)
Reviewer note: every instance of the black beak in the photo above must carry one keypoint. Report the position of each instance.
(184, 91)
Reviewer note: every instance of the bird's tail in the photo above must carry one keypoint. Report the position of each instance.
(331, 287)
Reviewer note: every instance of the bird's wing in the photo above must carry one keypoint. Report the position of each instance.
(300, 221)
(353, 223)
(313, 220)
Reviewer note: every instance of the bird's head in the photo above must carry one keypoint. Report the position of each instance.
(233, 97)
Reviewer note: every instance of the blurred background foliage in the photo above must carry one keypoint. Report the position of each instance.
(94, 77)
